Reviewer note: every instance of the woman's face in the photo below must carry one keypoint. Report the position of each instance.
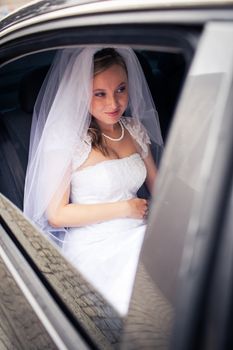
(110, 95)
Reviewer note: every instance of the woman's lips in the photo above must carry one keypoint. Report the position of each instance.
(113, 114)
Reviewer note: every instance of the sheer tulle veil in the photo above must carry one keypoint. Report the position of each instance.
(60, 123)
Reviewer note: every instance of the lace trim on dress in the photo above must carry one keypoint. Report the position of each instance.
(81, 152)
(138, 132)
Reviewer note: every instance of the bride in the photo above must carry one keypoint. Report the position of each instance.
(92, 127)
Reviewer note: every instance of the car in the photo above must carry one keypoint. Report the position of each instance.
(183, 291)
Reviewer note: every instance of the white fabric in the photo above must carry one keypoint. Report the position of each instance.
(60, 124)
(107, 253)
(138, 132)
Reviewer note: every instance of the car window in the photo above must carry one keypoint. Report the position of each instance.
(21, 80)
(165, 71)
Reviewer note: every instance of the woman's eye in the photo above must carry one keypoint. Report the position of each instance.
(121, 89)
(99, 94)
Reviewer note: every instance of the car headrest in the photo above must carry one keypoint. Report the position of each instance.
(29, 88)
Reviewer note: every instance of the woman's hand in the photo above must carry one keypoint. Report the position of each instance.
(137, 208)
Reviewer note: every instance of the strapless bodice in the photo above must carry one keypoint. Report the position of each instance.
(108, 181)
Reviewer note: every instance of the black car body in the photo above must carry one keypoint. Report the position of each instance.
(182, 296)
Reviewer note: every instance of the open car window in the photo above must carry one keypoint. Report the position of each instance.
(165, 61)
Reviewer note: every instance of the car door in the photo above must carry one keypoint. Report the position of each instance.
(187, 252)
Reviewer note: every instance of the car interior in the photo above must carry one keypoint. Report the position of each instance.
(20, 82)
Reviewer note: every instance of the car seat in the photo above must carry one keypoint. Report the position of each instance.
(15, 135)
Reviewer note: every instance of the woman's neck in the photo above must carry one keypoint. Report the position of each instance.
(109, 129)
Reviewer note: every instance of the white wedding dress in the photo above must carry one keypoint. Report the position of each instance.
(107, 253)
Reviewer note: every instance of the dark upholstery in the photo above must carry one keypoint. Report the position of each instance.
(29, 88)
(14, 139)
(15, 135)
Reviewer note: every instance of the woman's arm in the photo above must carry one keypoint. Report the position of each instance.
(65, 214)
(151, 171)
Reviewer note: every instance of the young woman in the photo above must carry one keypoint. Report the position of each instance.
(89, 155)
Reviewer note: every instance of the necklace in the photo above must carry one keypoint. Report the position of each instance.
(119, 138)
